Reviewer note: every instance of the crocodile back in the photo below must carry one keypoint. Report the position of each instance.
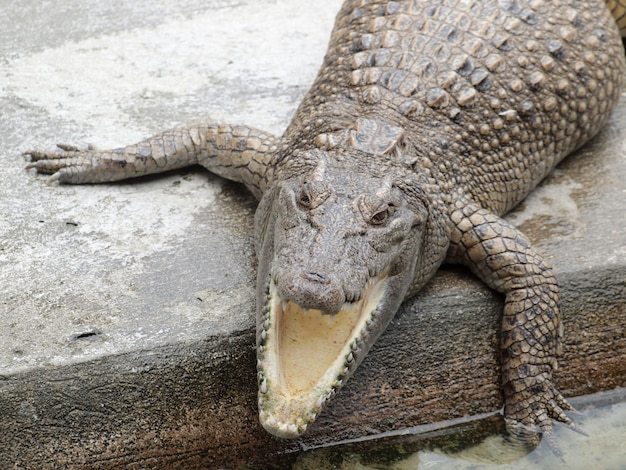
(487, 96)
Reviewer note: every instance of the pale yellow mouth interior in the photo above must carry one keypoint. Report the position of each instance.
(309, 342)
(307, 351)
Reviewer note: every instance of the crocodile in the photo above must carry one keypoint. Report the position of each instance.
(428, 120)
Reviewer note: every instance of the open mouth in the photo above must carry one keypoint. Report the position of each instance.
(305, 356)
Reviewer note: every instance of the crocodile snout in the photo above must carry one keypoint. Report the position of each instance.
(313, 276)
(313, 290)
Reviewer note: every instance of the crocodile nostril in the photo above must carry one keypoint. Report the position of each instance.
(315, 277)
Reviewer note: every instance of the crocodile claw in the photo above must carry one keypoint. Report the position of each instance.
(537, 425)
(50, 163)
(74, 165)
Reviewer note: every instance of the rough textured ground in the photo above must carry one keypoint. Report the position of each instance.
(126, 314)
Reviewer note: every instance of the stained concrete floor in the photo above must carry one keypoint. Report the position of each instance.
(151, 282)
(79, 260)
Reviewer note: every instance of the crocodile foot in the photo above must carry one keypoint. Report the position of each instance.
(532, 403)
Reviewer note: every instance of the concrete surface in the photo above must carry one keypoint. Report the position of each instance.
(127, 312)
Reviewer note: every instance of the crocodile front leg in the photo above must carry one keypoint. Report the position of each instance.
(238, 153)
(531, 326)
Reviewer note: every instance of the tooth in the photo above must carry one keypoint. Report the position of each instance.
(292, 428)
(350, 357)
(302, 428)
(263, 335)
(272, 421)
(263, 387)
(266, 324)
(283, 305)
(319, 403)
(346, 370)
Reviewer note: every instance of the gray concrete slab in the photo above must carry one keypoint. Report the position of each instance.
(142, 263)
(126, 310)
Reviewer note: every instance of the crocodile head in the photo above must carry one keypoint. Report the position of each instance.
(338, 251)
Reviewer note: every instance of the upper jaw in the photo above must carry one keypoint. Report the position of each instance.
(305, 356)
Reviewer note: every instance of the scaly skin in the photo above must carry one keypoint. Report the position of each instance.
(428, 121)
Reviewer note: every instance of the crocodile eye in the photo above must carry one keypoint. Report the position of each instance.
(313, 194)
(382, 216)
(379, 218)
(305, 199)
(374, 211)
